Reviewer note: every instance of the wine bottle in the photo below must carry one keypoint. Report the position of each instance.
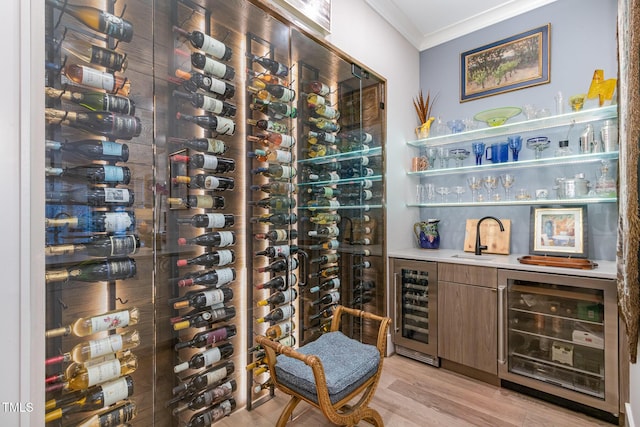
(325, 218)
(326, 259)
(97, 397)
(90, 78)
(268, 125)
(117, 126)
(330, 297)
(357, 136)
(206, 358)
(318, 88)
(275, 110)
(212, 67)
(279, 283)
(357, 172)
(194, 81)
(259, 79)
(205, 338)
(280, 297)
(207, 145)
(220, 125)
(361, 299)
(273, 139)
(275, 202)
(217, 278)
(206, 43)
(92, 149)
(199, 202)
(324, 176)
(208, 103)
(327, 232)
(98, 246)
(207, 398)
(324, 191)
(103, 322)
(278, 156)
(96, 174)
(207, 162)
(276, 219)
(205, 379)
(324, 246)
(325, 272)
(273, 66)
(358, 195)
(276, 171)
(321, 150)
(82, 376)
(92, 196)
(329, 113)
(323, 203)
(275, 187)
(96, 222)
(277, 235)
(363, 286)
(279, 314)
(314, 137)
(365, 264)
(95, 348)
(279, 330)
(98, 20)
(219, 239)
(314, 100)
(94, 271)
(216, 413)
(204, 318)
(209, 220)
(206, 182)
(210, 259)
(84, 50)
(278, 251)
(206, 298)
(326, 285)
(324, 313)
(279, 265)
(95, 101)
(324, 124)
(281, 93)
(114, 416)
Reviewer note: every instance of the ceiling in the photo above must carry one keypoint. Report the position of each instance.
(428, 23)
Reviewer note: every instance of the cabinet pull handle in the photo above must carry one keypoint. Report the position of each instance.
(501, 325)
(395, 296)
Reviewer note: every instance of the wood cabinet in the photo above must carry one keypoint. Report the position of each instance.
(467, 316)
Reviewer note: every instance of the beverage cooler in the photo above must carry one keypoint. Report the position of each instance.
(559, 335)
(415, 318)
(213, 173)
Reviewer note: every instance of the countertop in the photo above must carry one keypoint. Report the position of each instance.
(604, 270)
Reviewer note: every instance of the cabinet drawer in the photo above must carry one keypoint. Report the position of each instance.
(468, 274)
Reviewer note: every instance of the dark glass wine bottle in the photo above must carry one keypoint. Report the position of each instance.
(99, 246)
(206, 43)
(194, 81)
(275, 187)
(210, 259)
(218, 239)
(276, 219)
(279, 265)
(280, 297)
(324, 313)
(218, 124)
(86, 51)
(96, 222)
(273, 139)
(279, 314)
(279, 283)
(95, 101)
(198, 202)
(325, 246)
(203, 318)
(327, 112)
(325, 272)
(275, 202)
(280, 330)
(331, 297)
(324, 124)
(326, 259)
(205, 379)
(323, 176)
(318, 87)
(116, 126)
(200, 299)
(94, 271)
(357, 136)
(206, 358)
(113, 416)
(314, 137)
(275, 110)
(269, 125)
(207, 162)
(326, 285)
(212, 415)
(207, 145)
(277, 235)
(364, 285)
(276, 171)
(96, 174)
(278, 251)
(98, 20)
(324, 191)
(273, 66)
(217, 278)
(212, 67)
(325, 232)
(92, 196)
(205, 338)
(206, 182)
(208, 103)
(207, 398)
(209, 220)
(92, 149)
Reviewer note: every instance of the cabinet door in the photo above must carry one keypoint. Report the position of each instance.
(467, 332)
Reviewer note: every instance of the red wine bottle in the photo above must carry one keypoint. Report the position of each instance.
(210, 259)
(96, 174)
(217, 278)
(279, 265)
(205, 379)
(278, 235)
(207, 145)
(206, 182)
(276, 219)
(218, 239)
(331, 297)
(212, 415)
(194, 81)
(199, 202)
(212, 67)
(326, 285)
(208, 103)
(209, 220)
(94, 271)
(205, 338)
(92, 149)
(268, 125)
(116, 126)
(99, 246)
(206, 43)
(201, 299)
(92, 196)
(278, 251)
(204, 318)
(279, 283)
(206, 358)
(276, 171)
(97, 222)
(207, 398)
(218, 124)
(274, 67)
(279, 314)
(280, 297)
(207, 162)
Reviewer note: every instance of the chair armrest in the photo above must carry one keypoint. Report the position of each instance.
(383, 327)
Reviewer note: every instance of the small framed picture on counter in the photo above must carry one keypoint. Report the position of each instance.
(559, 231)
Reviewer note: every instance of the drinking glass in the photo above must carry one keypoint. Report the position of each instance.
(538, 144)
(474, 184)
(515, 144)
(444, 192)
(443, 154)
(429, 192)
(458, 190)
(432, 153)
(459, 154)
(420, 197)
(507, 180)
(478, 150)
(490, 183)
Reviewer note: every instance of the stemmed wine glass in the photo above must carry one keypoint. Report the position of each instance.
(507, 180)
(490, 183)
(458, 191)
(474, 184)
(432, 152)
(515, 144)
(538, 144)
(459, 154)
(444, 192)
(444, 155)
(478, 150)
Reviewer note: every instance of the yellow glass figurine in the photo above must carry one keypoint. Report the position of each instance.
(601, 88)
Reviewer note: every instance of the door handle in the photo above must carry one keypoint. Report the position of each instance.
(501, 325)
(395, 296)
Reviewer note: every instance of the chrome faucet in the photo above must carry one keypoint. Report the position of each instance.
(480, 247)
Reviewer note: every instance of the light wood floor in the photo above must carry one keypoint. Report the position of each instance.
(413, 394)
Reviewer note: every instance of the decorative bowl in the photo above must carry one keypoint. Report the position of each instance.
(497, 116)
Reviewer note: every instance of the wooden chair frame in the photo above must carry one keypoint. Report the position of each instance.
(339, 413)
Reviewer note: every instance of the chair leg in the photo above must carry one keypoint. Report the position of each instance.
(287, 411)
(373, 417)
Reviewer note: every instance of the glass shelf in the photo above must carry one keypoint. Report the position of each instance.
(530, 202)
(364, 207)
(522, 164)
(573, 118)
(371, 152)
(346, 181)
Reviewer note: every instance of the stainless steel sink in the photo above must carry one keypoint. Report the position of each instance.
(473, 257)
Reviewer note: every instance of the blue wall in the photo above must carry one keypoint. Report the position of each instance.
(583, 38)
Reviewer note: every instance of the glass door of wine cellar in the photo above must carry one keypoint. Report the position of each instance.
(415, 329)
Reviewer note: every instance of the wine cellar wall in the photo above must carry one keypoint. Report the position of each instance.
(212, 174)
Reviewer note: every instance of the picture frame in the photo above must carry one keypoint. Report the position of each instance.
(315, 14)
(559, 231)
(513, 63)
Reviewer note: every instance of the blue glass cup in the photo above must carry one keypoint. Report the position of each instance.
(515, 144)
(478, 149)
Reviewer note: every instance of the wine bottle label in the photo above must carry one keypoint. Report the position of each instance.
(110, 148)
(289, 295)
(288, 341)
(276, 127)
(106, 322)
(117, 195)
(114, 391)
(216, 220)
(281, 235)
(214, 68)
(117, 104)
(205, 202)
(97, 79)
(213, 47)
(216, 375)
(103, 372)
(284, 156)
(288, 171)
(287, 141)
(225, 275)
(287, 311)
(328, 112)
(211, 183)
(225, 126)
(211, 356)
(113, 173)
(215, 85)
(364, 161)
(282, 250)
(213, 105)
(125, 127)
(315, 100)
(106, 58)
(107, 345)
(227, 238)
(216, 336)
(119, 416)
(215, 146)
(214, 296)
(285, 328)
(116, 27)
(225, 257)
(117, 222)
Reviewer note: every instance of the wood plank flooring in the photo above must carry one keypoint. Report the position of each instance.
(413, 394)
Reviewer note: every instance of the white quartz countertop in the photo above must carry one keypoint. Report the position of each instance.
(604, 270)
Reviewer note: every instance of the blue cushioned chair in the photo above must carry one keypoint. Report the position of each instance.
(330, 372)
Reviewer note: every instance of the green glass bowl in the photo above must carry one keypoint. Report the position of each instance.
(497, 116)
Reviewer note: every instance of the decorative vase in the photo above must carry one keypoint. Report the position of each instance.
(422, 131)
(427, 233)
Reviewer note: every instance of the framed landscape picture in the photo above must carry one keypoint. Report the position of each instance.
(559, 231)
(513, 63)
